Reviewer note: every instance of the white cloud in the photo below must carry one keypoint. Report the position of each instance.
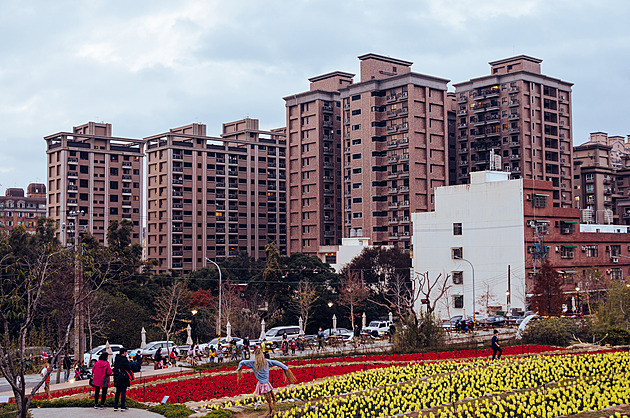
(458, 13)
(165, 38)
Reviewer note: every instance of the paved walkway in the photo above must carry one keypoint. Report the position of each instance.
(89, 413)
(147, 371)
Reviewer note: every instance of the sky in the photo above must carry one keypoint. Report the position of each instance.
(148, 66)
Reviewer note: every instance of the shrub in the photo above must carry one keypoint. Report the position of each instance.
(172, 410)
(415, 334)
(551, 331)
(82, 403)
(220, 413)
(617, 336)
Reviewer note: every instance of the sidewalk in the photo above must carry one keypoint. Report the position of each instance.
(147, 371)
(89, 413)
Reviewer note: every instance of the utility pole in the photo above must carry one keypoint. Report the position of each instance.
(79, 319)
(509, 291)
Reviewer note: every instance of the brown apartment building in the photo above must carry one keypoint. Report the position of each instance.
(314, 155)
(516, 119)
(214, 197)
(95, 178)
(602, 179)
(395, 151)
(17, 209)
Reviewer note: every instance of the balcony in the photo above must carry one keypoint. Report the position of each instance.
(347, 222)
(391, 128)
(403, 189)
(327, 137)
(178, 253)
(178, 157)
(346, 121)
(329, 233)
(403, 111)
(326, 108)
(403, 157)
(327, 124)
(392, 205)
(178, 205)
(177, 193)
(516, 169)
(328, 206)
(513, 103)
(328, 150)
(346, 106)
(392, 113)
(393, 235)
(404, 220)
(345, 164)
(462, 98)
(392, 159)
(463, 150)
(403, 141)
(73, 160)
(403, 95)
(72, 202)
(392, 175)
(515, 157)
(514, 116)
(328, 164)
(404, 204)
(72, 188)
(328, 178)
(126, 191)
(346, 150)
(73, 174)
(514, 143)
(178, 169)
(392, 144)
(403, 127)
(462, 125)
(392, 221)
(126, 178)
(462, 112)
(392, 190)
(391, 98)
(329, 192)
(177, 229)
(513, 130)
(178, 181)
(404, 174)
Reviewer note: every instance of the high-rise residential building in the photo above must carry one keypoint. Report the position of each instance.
(17, 209)
(519, 120)
(95, 178)
(214, 197)
(602, 179)
(395, 150)
(314, 155)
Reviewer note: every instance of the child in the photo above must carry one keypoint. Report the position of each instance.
(285, 347)
(293, 346)
(45, 374)
(219, 354)
(261, 366)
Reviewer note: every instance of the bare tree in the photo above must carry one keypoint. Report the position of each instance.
(431, 290)
(352, 291)
(95, 318)
(304, 297)
(33, 266)
(487, 298)
(169, 306)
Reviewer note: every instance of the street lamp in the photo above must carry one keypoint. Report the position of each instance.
(330, 305)
(220, 286)
(473, 284)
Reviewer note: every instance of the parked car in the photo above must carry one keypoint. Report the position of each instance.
(344, 333)
(495, 321)
(215, 342)
(274, 335)
(91, 357)
(377, 328)
(153, 346)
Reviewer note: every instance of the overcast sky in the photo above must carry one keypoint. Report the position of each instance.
(148, 66)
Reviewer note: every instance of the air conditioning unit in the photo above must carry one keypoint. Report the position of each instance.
(608, 272)
(584, 248)
(614, 259)
(557, 249)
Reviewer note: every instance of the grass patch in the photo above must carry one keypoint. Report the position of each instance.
(83, 403)
(172, 410)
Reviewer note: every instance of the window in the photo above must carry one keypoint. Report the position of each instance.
(457, 252)
(458, 301)
(356, 127)
(591, 251)
(356, 97)
(457, 228)
(567, 251)
(356, 112)
(616, 274)
(615, 250)
(458, 277)
(540, 200)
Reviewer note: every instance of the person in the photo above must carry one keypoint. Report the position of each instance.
(219, 354)
(173, 359)
(157, 359)
(264, 346)
(357, 331)
(246, 347)
(100, 379)
(496, 348)
(392, 331)
(320, 338)
(293, 346)
(260, 366)
(67, 365)
(123, 375)
(45, 374)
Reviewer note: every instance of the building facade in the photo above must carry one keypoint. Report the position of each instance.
(395, 149)
(602, 179)
(17, 209)
(93, 179)
(314, 159)
(497, 249)
(518, 120)
(214, 197)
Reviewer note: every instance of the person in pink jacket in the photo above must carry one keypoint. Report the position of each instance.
(100, 379)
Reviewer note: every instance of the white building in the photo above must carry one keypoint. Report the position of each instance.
(481, 222)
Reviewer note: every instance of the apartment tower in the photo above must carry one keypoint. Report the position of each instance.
(214, 197)
(394, 148)
(94, 178)
(602, 179)
(314, 151)
(516, 119)
(17, 209)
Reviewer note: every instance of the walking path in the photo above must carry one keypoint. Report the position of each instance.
(147, 371)
(89, 413)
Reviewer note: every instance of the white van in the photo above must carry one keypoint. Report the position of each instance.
(274, 335)
(377, 328)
